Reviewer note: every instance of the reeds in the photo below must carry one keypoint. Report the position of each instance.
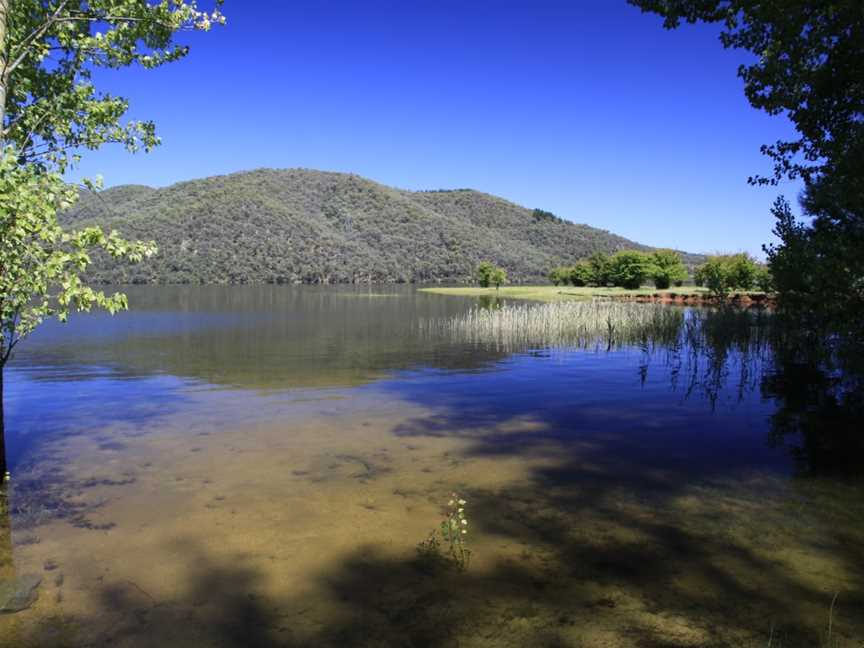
(574, 324)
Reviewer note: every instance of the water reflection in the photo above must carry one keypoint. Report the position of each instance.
(253, 337)
(223, 483)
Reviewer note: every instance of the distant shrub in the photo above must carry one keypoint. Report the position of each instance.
(764, 280)
(630, 268)
(724, 273)
(559, 275)
(667, 268)
(499, 277)
(543, 215)
(581, 274)
(490, 275)
(601, 269)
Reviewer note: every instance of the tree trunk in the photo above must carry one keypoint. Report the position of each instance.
(7, 568)
(4, 12)
(3, 466)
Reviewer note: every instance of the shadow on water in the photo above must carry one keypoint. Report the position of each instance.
(668, 588)
(622, 538)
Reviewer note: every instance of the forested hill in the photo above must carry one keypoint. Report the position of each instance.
(291, 226)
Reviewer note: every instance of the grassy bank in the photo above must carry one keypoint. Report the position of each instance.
(556, 293)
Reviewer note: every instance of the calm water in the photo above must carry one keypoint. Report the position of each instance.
(256, 466)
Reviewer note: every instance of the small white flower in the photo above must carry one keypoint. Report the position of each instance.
(464, 530)
(462, 502)
(464, 521)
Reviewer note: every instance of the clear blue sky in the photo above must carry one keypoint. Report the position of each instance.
(588, 109)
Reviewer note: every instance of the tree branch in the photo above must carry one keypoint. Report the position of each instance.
(30, 39)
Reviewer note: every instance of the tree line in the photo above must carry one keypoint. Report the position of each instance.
(721, 273)
(627, 269)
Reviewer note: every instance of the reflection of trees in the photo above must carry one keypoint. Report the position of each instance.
(260, 337)
(716, 347)
(818, 385)
(814, 376)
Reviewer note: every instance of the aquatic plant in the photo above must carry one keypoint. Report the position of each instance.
(564, 324)
(449, 541)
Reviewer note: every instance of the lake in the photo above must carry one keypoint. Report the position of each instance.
(255, 466)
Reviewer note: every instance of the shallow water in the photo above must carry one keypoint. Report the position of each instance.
(257, 465)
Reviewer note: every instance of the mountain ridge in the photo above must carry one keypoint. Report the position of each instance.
(308, 226)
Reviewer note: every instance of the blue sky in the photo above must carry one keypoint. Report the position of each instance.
(589, 109)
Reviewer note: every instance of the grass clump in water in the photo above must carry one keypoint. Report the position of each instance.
(565, 324)
(448, 543)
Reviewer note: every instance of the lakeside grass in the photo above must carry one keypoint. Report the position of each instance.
(556, 293)
(565, 324)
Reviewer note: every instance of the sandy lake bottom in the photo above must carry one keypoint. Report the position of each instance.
(604, 509)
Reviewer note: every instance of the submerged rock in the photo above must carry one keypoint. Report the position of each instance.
(20, 593)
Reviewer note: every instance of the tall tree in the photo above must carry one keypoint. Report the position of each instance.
(51, 111)
(809, 66)
(667, 268)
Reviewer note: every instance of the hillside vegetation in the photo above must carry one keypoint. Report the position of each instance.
(302, 226)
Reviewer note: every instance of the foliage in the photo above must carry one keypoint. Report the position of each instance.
(601, 269)
(51, 51)
(489, 274)
(763, 279)
(542, 215)
(581, 274)
(304, 226)
(793, 264)
(816, 271)
(629, 268)
(50, 109)
(626, 268)
(41, 262)
(667, 268)
(484, 273)
(498, 278)
(807, 66)
(724, 273)
(559, 275)
(452, 532)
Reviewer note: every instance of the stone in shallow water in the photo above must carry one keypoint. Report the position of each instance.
(19, 594)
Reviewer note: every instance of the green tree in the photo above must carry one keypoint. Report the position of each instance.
(794, 264)
(488, 274)
(764, 280)
(806, 64)
(483, 274)
(559, 275)
(667, 268)
(581, 273)
(743, 270)
(724, 273)
(50, 110)
(601, 270)
(630, 268)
